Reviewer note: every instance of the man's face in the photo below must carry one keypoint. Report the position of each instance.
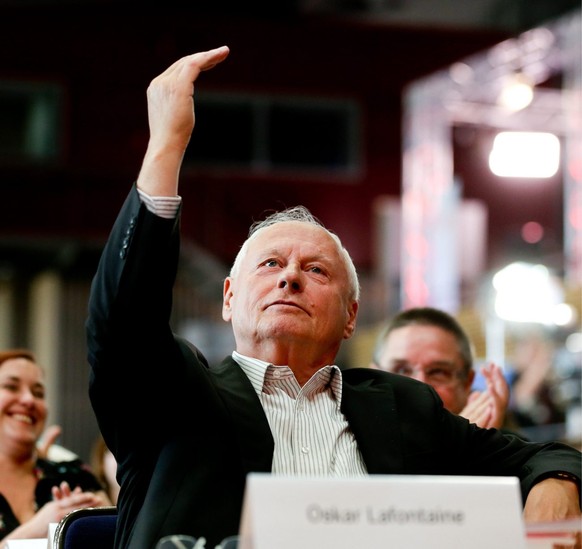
(429, 354)
(291, 287)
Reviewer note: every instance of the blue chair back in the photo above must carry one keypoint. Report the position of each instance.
(90, 528)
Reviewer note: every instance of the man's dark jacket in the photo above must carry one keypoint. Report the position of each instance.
(185, 435)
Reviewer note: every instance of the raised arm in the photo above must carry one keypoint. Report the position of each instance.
(132, 350)
(171, 120)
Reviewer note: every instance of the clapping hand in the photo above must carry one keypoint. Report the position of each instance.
(64, 501)
(487, 408)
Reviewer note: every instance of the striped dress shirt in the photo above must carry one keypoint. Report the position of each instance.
(312, 436)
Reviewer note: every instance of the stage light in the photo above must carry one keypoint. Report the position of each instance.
(525, 154)
(530, 293)
(517, 94)
(532, 232)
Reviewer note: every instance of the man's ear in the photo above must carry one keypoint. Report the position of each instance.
(226, 299)
(352, 314)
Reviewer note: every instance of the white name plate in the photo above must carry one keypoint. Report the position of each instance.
(379, 511)
(27, 544)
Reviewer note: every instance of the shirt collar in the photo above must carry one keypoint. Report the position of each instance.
(256, 370)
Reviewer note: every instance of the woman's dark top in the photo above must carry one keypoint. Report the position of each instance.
(49, 474)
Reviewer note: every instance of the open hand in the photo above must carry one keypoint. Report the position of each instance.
(487, 408)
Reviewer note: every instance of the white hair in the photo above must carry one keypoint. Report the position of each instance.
(303, 215)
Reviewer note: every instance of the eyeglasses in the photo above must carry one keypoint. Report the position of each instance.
(439, 375)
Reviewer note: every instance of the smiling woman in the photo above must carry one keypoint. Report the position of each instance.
(33, 491)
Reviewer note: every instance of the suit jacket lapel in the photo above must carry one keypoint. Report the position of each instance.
(253, 431)
(373, 418)
(370, 410)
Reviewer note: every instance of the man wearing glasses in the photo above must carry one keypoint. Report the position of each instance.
(429, 345)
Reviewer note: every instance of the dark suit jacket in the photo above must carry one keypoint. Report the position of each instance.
(185, 435)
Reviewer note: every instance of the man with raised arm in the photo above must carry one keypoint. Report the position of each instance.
(185, 435)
